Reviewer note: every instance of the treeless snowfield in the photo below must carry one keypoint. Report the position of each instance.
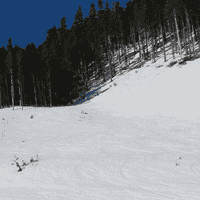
(138, 140)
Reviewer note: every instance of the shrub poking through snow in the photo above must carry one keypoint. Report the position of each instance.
(24, 163)
(31, 117)
(20, 169)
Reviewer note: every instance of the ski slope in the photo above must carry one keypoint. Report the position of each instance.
(139, 139)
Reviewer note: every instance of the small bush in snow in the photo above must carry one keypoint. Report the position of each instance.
(24, 163)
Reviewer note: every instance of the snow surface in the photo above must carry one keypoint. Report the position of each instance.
(139, 140)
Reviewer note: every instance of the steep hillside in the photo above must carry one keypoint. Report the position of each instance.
(137, 139)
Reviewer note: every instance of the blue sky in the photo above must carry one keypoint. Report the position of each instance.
(26, 21)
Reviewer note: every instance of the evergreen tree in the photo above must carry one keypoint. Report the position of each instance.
(63, 24)
(100, 4)
(78, 17)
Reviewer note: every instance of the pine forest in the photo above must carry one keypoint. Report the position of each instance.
(64, 67)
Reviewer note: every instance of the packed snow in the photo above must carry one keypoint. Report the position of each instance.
(140, 139)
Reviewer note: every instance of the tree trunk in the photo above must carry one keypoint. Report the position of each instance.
(35, 91)
(128, 55)
(86, 75)
(119, 53)
(163, 42)
(177, 32)
(198, 32)
(171, 39)
(104, 71)
(20, 92)
(7, 92)
(194, 54)
(39, 91)
(95, 73)
(20, 87)
(147, 40)
(123, 49)
(159, 42)
(86, 67)
(4, 97)
(195, 31)
(12, 88)
(189, 42)
(124, 53)
(43, 93)
(110, 65)
(143, 50)
(119, 49)
(155, 43)
(110, 58)
(143, 46)
(189, 31)
(174, 34)
(125, 56)
(133, 39)
(3, 94)
(181, 37)
(184, 38)
(140, 46)
(152, 52)
(101, 61)
(48, 75)
(165, 34)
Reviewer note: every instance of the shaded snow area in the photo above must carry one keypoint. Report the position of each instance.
(139, 139)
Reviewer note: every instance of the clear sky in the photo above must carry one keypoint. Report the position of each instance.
(28, 21)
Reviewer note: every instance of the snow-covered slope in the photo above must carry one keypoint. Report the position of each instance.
(140, 139)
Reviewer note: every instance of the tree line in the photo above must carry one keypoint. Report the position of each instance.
(54, 73)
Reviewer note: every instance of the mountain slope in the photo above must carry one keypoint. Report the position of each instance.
(138, 139)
